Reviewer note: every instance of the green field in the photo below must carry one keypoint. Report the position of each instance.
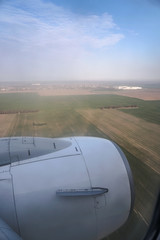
(147, 110)
(67, 116)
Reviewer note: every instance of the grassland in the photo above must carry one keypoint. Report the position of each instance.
(137, 131)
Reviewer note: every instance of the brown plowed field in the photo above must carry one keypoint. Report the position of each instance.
(144, 94)
(139, 137)
(6, 123)
(64, 92)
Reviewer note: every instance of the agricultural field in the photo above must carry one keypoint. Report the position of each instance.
(136, 130)
(6, 122)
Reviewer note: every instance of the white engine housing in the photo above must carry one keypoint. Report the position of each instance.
(66, 188)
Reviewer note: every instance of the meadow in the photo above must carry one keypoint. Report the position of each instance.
(137, 131)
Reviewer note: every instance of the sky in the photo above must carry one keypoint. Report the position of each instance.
(61, 40)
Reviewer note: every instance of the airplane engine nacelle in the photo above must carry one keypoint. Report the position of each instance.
(64, 188)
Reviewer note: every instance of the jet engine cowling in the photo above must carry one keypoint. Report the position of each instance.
(65, 188)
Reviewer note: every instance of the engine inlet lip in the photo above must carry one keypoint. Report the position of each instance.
(130, 176)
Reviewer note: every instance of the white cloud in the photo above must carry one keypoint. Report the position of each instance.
(52, 25)
(42, 39)
(103, 42)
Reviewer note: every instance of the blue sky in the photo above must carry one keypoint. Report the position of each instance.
(79, 40)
